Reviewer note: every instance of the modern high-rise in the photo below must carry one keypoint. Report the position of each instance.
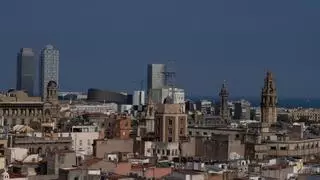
(138, 98)
(49, 68)
(156, 76)
(26, 70)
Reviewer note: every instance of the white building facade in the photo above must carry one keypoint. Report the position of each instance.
(138, 98)
(102, 108)
(159, 95)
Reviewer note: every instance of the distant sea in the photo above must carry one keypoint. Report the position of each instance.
(282, 102)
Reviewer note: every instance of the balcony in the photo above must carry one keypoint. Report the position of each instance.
(46, 140)
(300, 152)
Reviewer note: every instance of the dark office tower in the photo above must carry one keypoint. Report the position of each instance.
(26, 71)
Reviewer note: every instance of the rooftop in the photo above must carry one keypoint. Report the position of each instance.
(189, 172)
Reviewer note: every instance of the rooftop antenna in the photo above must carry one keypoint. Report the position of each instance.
(170, 77)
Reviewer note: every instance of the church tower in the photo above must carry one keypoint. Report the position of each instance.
(269, 101)
(52, 92)
(224, 110)
(150, 114)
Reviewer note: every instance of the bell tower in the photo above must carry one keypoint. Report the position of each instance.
(224, 110)
(269, 101)
(150, 113)
(52, 94)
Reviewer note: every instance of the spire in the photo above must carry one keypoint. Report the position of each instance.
(224, 90)
(268, 100)
(269, 76)
(149, 98)
(269, 85)
(150, 106)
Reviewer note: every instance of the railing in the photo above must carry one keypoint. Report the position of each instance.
(302, 152)
(28, 140)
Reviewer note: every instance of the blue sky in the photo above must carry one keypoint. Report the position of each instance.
(107, 44)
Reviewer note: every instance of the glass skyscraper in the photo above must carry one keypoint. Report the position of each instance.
(26, 70)
(49, 68)
(156, 77)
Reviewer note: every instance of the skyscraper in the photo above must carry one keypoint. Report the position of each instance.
(49, 68)
(156, 76)
(26, 70)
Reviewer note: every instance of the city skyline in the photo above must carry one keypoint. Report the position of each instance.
(242, 42)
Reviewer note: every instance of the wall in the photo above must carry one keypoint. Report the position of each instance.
(162, 149)
(97, 95)
(280, 174)
(102, 147)
(2, 162)
(82, 141)
(61, 159)
(13, 154)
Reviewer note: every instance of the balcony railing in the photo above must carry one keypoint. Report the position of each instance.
(46, 140)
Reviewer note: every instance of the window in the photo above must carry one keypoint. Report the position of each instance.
(283, 148)
(80, 142)
(273, 148)
(182, 120)
(168, 152)
(61, 159)
(170, 122)
(181, 131)
(169, 139)
(170, 131)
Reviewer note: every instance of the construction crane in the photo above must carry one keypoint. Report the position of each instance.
(170, 76)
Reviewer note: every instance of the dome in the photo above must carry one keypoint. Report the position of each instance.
(52, 84)
(168, 100)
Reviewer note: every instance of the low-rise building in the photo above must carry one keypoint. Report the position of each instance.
(103, 147)
(40, 145)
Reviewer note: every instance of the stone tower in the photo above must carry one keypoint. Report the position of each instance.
(224, 110)
(269, 101)
(52, 92)
(150, 114)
